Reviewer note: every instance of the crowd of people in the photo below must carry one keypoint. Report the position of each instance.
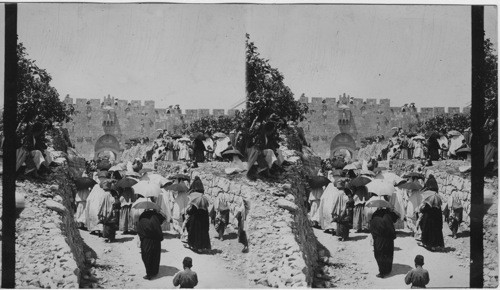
(363, 197)
(437, 146)
(129, 198)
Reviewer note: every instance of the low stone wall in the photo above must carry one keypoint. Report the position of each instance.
(49, 248)
(283, 248)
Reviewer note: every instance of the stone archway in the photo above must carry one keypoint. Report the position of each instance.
(107, 142)
(343, 141)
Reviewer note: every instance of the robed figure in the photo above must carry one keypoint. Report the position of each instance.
(150, 235)
(383, 233)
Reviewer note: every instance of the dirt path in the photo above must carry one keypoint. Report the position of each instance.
(119, 264)
(355, 265)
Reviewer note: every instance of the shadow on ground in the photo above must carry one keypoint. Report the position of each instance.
(123, 239)
(166, 271)
(399, 269)
(357, 238)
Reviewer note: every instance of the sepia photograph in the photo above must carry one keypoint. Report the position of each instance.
(256, 145)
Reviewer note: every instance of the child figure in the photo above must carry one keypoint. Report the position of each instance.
(186, 278)
(418, 277)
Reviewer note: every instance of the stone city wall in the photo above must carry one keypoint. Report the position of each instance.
(370, 118)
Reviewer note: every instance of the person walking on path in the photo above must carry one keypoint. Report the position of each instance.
(198, 222)
(150, 236)
(418, 277)
(383, 233)
(455, 209)
(186, 278)
(241, 216)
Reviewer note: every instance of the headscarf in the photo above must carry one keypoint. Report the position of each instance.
(197, 185)
(431, 183)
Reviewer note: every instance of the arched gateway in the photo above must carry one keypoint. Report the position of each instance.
(343, 141)
(107, 142)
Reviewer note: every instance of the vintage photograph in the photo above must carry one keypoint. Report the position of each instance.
(162, 145)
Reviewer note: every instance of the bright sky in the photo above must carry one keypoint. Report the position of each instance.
(193, 55)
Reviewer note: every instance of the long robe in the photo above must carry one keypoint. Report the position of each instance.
(166, 202)
(81, 203)
(150, 235)
(432, 226)
(94, 203)
(399, 207)
(314, 200)
(360, 221)
(106, 211)
(383, 233)
(199, 150)
(345, 218)
(414, 199)
(181, 201)
(126, 220)
(326, 207)
(198, 227)
(433, 149)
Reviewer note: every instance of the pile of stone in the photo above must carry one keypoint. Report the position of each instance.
(43, 257)
(490, 244)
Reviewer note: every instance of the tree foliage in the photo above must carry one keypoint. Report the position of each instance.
(447, 122)
(491, 89)
(213, 124)
(268, 98)
(37, 100)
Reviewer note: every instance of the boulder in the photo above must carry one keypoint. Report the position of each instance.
(288, 205)
(55, 206)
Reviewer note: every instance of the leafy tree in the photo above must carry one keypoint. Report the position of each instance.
(491, 89)
(37, 100)
(447, 122)
(268, 98)
(213, 124)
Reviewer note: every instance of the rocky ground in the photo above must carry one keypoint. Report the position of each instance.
(43, 257)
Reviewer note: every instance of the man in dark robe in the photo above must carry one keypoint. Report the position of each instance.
(432, 219)
(433, 148)
(199, 149)
(383, 233)
(198, 222)
(150, 235)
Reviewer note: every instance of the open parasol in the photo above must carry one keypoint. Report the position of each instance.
(360, 181)
(432, 198)
(125, 183)
(118, 167)
(463, 150)
(84, 182)
(454, 133)
(231, 152)
(147, 189)
(184, 139)
(351, 166)
(219, 135)
(367, 172)
(378, 203)
(380, 187)
(418, 137)
(146, 204)
(411, 186)
(179, 187)
(199, 200)
(318, 181)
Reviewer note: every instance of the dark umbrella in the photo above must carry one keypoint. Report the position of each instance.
(180, 176)
(232, 152)
(84, 182)
(414, 175)
(462, 150)
(411, 135)
(435, 134)
(318, 181)
(432, 198)
(411, 186)
(199, 200)
(125, 183)
(179, 187)
(360, 181)
(176, 136)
